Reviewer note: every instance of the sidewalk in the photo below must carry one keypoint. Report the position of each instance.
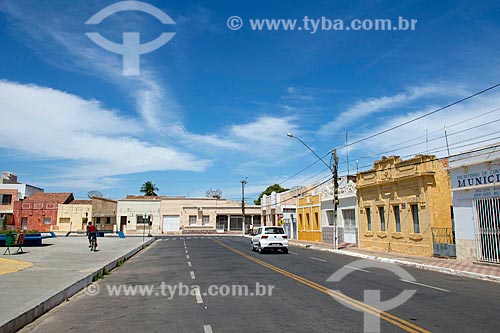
(36, 281)
(448, 266)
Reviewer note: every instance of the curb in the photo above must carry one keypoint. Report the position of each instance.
(29, 316)
(426, 267)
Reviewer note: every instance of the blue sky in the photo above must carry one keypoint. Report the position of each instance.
(214, 105)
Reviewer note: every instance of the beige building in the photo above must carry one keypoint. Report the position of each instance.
(281, 209)
(135, 213)
(104, 214)
(206, 215)
(73, 216)
(401, 204)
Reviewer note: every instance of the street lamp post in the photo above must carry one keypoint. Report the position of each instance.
(243, 183)
(334, 170)
(145, 216)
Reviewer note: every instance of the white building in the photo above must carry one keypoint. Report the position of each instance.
(281, 209)
(475, 183)
(347, 212)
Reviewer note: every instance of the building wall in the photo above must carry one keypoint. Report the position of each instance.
(473, 176)
(23, 190)
(422, 182)
(309, 218)
(8, 209)
(41, 216)
(273, 205)
(73, 217)
(199, 207)
(104, 214)
(131, 209)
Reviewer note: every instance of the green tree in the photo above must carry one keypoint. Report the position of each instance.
(149, 189)
(270, 189)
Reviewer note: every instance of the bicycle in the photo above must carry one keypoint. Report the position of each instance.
(93, 243)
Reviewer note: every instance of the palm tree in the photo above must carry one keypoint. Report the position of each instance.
(148, 188)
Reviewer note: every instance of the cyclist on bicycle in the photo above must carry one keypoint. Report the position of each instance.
(91, 233)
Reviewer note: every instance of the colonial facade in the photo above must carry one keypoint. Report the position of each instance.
(401, 204)
(73, 217)
(309, 217)
(346, 225)
(39, 211)
(135, 213)
(475, 182)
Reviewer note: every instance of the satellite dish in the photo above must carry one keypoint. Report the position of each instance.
(214, 193)
(92, 194)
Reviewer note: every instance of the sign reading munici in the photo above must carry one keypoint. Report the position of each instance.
(478, 178)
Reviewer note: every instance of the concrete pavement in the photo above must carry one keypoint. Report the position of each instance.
(41, 278)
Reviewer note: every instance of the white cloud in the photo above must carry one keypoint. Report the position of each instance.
(370, 106)
(50, 124)
(297, 94)
(471, 124)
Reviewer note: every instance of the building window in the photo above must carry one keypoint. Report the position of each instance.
(192, 219)
(368, 219)
(64, 220)
(381, 213)
(97, 220)
(47, 220)
(205, 219)
(397, 218)
(141, 220)
(108, 220)
(416, 221)
(6, 199)
(24, 223)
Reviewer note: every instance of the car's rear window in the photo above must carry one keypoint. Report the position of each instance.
(275, 231)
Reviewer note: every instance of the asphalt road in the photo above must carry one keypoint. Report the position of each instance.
(274, 293)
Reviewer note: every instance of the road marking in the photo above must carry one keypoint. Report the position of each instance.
(293, 253)
(425, 285)
(207, 328)
(192, 275)
(357, 269)
(189, 264)
(390, 318)
(186, 251)
(197, 294)
(318, 259)
(187, 256)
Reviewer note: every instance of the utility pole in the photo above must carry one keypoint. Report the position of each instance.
(335, 196)
(243, 183)
(347, 151)
(447, 145)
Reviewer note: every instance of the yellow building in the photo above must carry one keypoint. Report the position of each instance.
(73, 216)
(309, 218)
(401, 203)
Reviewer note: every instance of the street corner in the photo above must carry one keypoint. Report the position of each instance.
(11, 265)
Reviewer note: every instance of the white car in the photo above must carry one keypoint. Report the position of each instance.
(270, 238)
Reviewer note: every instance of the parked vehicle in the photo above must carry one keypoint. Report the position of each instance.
(270, 238)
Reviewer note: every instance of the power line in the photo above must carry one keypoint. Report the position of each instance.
(420, 117)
